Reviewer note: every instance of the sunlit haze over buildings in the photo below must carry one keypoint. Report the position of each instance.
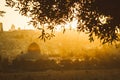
(13, 17)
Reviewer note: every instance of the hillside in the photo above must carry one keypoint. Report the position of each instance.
(62, 45)
(13, 43)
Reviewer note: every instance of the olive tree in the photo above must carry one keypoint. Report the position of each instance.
(98, 18)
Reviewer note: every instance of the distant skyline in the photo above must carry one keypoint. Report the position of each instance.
(13, 17)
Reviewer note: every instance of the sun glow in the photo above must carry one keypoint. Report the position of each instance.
(68, 26)
(71, 24)
(14, 18)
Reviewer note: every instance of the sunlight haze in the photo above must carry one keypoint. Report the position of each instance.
(13, 17)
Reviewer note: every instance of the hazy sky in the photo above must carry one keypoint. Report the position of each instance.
(13, 17)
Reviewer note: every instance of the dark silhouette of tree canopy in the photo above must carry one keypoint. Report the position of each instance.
(98, 18)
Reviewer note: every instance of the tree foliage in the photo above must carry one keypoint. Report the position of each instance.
(98, 18)
(2, 13)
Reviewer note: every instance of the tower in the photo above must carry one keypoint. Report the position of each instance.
(1, 27)
(12, 27)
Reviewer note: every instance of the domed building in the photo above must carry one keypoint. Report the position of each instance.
(33, 48)
(33, 53)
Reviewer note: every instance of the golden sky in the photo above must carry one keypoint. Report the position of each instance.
(13, 17)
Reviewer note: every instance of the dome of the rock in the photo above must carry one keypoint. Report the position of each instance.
(32, 54)
(33, 48)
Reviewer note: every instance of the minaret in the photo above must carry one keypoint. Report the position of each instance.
(1, 27)
(12, 27)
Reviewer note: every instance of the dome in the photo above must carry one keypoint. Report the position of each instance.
(33, 48)
(32, 54)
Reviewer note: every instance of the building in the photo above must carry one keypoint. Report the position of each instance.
(12, 27)
(1, 27)
(32, 54)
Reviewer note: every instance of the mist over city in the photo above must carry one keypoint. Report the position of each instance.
(59, 40)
